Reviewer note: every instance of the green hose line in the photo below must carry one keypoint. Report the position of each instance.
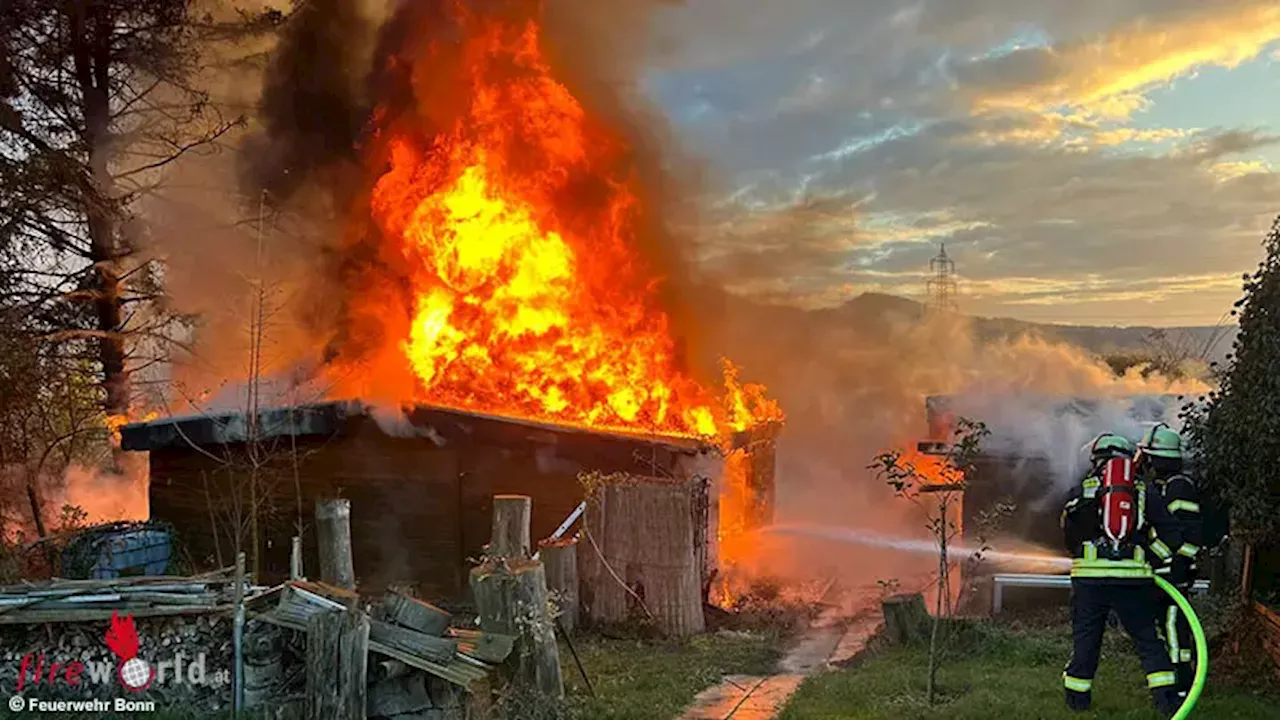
(1202, 647)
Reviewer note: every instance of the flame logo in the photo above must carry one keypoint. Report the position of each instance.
(134, 673)
(122, 638)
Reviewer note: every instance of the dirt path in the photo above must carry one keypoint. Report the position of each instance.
(832, 640)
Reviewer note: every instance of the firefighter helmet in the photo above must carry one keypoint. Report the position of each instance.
(1110, 445)
(1161, 441)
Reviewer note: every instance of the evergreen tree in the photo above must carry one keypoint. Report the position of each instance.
(1236, 434)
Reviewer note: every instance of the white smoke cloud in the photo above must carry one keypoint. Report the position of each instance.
(1056, 428)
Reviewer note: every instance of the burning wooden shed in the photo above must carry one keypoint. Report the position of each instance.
(420, 486)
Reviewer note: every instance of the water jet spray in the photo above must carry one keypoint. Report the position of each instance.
(871, 539)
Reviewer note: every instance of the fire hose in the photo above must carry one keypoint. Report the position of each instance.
(1202, 647)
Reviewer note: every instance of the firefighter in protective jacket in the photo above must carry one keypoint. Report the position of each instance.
(1159, 463)
(1115, 537)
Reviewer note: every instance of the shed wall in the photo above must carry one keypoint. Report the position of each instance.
(419, 508)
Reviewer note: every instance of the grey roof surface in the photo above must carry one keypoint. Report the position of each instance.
(334, 418)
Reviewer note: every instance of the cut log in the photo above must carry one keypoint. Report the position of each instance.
(412, 613)
(430, 647)
(560, 557)
(511, 517)
(333, 532)
(906, 620)
(337, 665)
(264, 677)
(511, 599)
(645, 533)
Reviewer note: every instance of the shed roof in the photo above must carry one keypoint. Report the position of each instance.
(334, 418)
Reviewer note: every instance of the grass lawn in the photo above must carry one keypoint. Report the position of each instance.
(1005, 671)
(644, 680)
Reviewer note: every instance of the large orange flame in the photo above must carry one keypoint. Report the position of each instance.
(516, 222)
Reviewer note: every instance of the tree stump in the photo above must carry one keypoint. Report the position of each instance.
(511, 517)
(333, 531)
(906, 620)
(645, 535)
(337, 665)
(560, 558)
(511, 599)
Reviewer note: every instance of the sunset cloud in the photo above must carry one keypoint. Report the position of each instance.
(1106, 77)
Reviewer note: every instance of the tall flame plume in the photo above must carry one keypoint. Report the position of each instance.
(515, 218)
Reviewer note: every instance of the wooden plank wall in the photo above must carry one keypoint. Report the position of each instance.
(1271, 633)
(419, 511)
(405, 507)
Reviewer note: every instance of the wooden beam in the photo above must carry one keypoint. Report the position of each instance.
(337, 665)
(561, 560)
(33, 617)
(412, 613)
(434, 648)
(512, 515)
(333, 531)
(295, 559)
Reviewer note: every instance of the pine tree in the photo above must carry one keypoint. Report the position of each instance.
(97, 98)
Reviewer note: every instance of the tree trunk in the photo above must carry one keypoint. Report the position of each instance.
(91, 35)
(645, 534)
(337, 665)
(905, 619)
(511, 519)
(511, 599)
(560, 557)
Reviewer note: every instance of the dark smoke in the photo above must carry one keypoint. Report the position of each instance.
(314, 102)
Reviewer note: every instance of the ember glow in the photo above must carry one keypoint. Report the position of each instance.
(515, 218)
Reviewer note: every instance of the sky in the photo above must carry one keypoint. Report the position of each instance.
(1100, 162)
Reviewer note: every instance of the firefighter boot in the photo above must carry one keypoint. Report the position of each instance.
(1166, 701)
(1186, 677)
(1079, 701)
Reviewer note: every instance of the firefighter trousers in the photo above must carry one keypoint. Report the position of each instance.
(1179, 642)
(1092, 600)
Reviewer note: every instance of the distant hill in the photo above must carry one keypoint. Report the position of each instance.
(878, 312)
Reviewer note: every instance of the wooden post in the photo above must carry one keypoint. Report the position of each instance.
(905, 619)
(295, 559)
(237, 638)
(560, 557)
(1246, 574)
(333, 531)
(511, 598)
(511, 517)
(337, 665)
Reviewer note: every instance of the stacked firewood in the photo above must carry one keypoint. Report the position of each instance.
(196, 652)
(419, 667)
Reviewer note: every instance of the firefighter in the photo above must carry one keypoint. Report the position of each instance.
(1115, 576)
(1159, 463)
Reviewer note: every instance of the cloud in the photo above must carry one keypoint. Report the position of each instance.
(851, 138)
(1105, 77)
